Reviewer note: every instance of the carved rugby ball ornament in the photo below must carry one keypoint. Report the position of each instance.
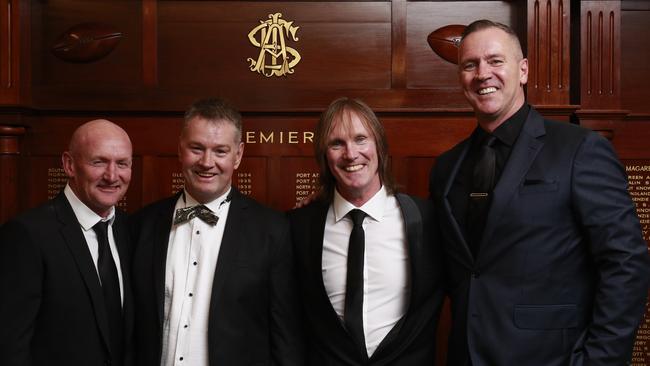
(86, 42)
(445, 41)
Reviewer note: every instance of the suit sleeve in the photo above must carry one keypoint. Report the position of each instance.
(20, 286)
(286, 337)
(619, 253)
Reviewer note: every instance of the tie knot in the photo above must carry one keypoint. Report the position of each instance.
(357, 216)
(489, 140)
(201, 211)
(101, 228)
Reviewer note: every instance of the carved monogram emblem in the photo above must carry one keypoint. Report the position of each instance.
(275, 57)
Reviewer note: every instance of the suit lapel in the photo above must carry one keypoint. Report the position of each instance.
(235, 225)
(317, 231)
(162, 228)
(340, 342)
(74, 239)
(121, 237)
(524, 152)
(457, 158)
(413, 225)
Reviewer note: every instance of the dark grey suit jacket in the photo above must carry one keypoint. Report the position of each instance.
(51, 304)
(254, 311)
(562, 271)
(412, 341)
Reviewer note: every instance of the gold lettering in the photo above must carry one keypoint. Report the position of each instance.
(307, 136)
(250, 137)
(293, 137)
(268, 138)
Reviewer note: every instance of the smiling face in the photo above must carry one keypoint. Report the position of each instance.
(209, 152)
(98, 165)
(492, 73)
(352, 158)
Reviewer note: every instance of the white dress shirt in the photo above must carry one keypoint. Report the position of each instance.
(191, 261)
(87, 218)
(386, 268)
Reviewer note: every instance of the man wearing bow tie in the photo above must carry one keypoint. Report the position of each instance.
(214, 282)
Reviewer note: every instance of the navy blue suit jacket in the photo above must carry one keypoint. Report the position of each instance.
(561, 276)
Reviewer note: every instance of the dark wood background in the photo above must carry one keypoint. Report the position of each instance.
(589, 64)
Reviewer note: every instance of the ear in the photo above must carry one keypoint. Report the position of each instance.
(523, 71)
(239, 154)
(68, 164)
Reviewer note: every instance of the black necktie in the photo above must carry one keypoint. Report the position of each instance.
(111, 289)
(353, 314)
(201, 211)
(483, 181)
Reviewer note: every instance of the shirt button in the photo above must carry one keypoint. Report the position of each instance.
(198, 232)
(185, 326)
(181, 358)
(191, 294)
(195, 263)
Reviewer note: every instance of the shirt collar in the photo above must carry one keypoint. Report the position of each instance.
(508, 132)
(87, 218)
(189, 201)
(373, 208)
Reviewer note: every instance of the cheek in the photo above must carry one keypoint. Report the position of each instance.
(331, 159)
(126, 176)
(187, 161)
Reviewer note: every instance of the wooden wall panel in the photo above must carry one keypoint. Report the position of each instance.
(12, 29)
(635, 57)
(601, 55)
(10, 137)
(548, 51)
(61, 84)
(343, 46)
(122, 66)
(425, 69)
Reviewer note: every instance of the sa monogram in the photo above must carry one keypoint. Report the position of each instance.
(275, 57)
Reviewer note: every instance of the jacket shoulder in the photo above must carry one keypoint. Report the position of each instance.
(303, 215)
(153, 209)
(262, 212)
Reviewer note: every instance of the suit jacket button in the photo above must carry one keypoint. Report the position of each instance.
(476, 274)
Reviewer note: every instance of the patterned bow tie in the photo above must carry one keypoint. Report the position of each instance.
(188, 213)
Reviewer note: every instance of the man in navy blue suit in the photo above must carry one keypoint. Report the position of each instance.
(547, 264)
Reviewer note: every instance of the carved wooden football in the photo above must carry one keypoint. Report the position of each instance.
(445, 41)
(86, 42)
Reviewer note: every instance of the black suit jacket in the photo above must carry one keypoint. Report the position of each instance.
(562, 271)
(253, 316)
(52, 310)
(412, 341)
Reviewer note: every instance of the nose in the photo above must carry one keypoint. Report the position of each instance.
(206, 160)
(350, 151)
(110, 174)
(482, 71)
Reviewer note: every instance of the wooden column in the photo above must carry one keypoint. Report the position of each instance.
(9, 52)
(600, 54)
(9, 156)
(548, 46)
(600, 62)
